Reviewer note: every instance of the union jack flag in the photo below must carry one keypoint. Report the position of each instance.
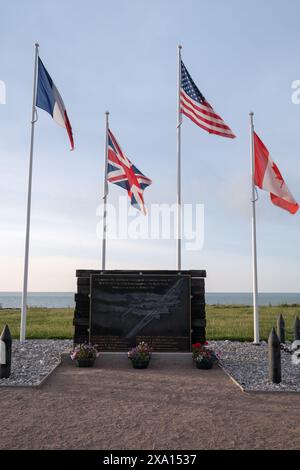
(194, 106)
(122, 172)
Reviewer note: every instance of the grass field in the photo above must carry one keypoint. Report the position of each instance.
(42, 323)
(223, 322)
(236, 323)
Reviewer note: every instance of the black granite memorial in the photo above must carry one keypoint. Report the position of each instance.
(127, 309)
(117, 309)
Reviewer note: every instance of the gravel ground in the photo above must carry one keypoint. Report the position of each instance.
(33, 361)
(248, 365)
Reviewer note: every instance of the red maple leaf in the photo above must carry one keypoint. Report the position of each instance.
(278, 174)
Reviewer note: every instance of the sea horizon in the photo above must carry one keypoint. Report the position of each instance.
(64, 299)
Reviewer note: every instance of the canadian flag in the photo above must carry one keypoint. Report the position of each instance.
(268, 177)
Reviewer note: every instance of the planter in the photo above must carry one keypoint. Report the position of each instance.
(85, 362)
(205, 364)
(140, 364)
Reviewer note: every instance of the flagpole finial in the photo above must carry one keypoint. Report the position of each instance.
(251, 114)
(179, 46)
(37, 44)
(107, 113)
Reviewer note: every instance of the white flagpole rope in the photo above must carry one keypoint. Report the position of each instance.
(105, 193)
(25, 279)
(179, 123)
(254, 245)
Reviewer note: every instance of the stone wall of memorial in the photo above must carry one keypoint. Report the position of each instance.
(87, 308)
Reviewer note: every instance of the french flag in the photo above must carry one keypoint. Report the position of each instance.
(49, 99)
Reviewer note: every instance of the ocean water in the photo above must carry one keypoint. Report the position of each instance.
(246, 298)
(38, 299)
(66, 299)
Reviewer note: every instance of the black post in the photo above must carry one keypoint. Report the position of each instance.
(274, 358)
(6, 368)
(297, 329)
(281, 329)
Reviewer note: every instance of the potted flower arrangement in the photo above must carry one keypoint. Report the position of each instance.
(140, 356)
(85, 355)
(203, 357)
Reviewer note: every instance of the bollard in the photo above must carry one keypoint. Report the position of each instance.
(281, 329)
(274, 358)
(5, 353)
(297, 329)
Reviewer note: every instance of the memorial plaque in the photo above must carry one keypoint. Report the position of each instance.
(127, 309)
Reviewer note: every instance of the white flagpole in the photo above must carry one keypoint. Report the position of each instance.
(179, 122)
(25, 280)
(254, 246)
(105, 193)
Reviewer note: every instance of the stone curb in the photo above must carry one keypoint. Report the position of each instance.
(231, 378)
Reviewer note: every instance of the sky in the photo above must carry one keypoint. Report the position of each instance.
(121, 56)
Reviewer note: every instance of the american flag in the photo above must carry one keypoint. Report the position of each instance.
(122, 172)
(194, 105)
